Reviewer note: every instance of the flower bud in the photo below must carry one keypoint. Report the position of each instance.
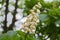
(34, 8)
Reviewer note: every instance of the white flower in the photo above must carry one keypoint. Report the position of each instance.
(39, 5)
(31, 10)
(38, 11)
(34, 8)
(31, 21)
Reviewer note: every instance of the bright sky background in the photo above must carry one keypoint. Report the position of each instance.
(48, 0)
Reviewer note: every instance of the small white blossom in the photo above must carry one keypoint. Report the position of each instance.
(38, 11)
(34, 8)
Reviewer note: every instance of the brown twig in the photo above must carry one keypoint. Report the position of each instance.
(14, 16)
(5, 28)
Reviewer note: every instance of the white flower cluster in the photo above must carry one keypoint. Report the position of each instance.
(31, 22)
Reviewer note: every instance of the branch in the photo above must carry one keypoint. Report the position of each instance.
(5, 28)
(14, 16)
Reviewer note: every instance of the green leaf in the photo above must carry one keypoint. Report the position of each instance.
(57, 22)
(11, 35)
(43, 17)
(21, 34)
(30, 3)
(30, 37)
(4, 37)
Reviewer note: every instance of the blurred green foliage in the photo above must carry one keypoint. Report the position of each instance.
(49, 24)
